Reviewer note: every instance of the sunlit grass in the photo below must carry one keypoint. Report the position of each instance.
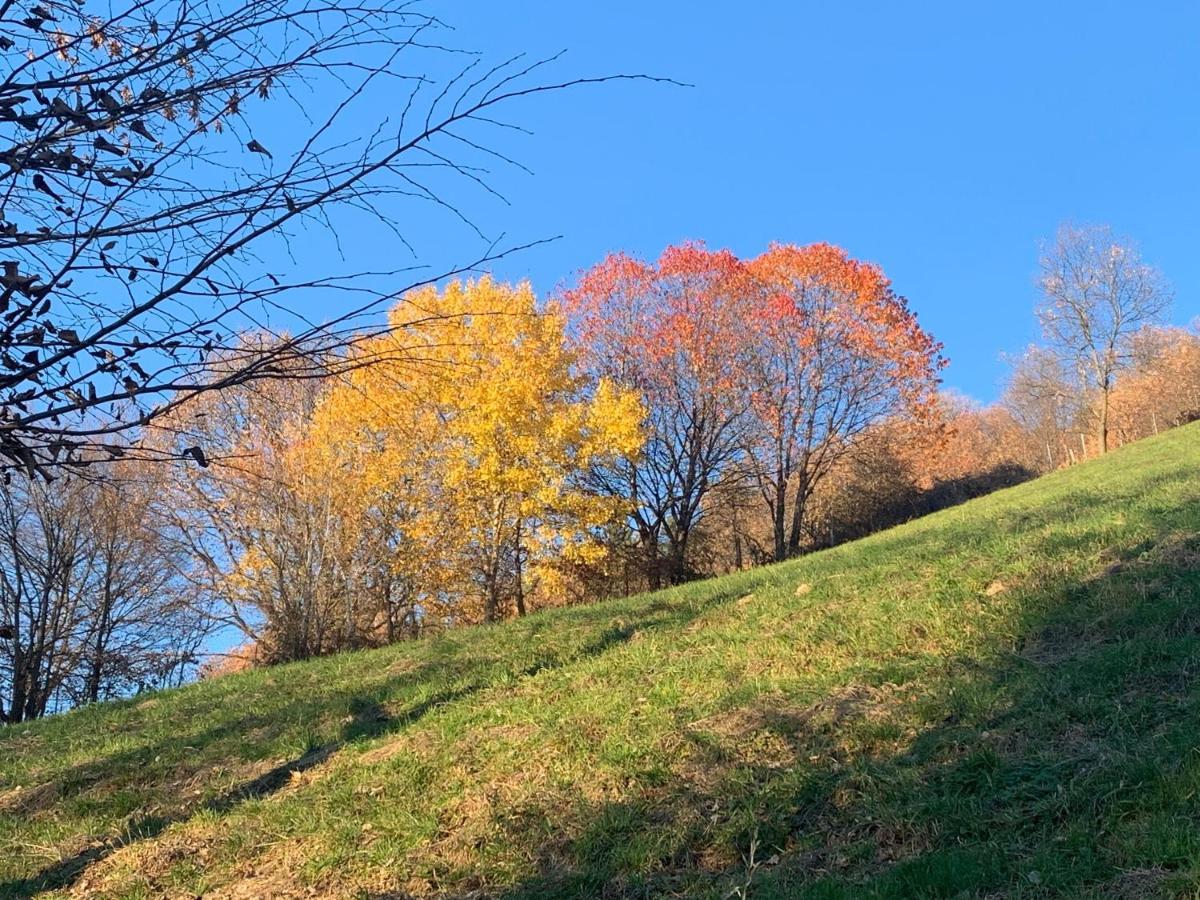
(996, 700)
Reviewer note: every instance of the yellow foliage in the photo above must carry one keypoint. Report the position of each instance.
(468, 432)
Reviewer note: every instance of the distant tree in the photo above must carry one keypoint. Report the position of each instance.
(733, 534)
(1048, 401)
(880, 483)
(1096, 293)
(831, 351)
(674, 331)
(982, 448)
(144, 624)
(1161, 387)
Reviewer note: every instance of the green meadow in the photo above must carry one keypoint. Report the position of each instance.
(998, 700)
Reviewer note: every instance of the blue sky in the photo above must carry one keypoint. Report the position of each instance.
(941, 140)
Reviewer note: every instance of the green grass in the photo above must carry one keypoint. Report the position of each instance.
(1000, 700)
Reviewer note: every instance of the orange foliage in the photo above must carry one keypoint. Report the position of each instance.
(977, 441)
(1164, 387)
(239, 659)
(834, 352)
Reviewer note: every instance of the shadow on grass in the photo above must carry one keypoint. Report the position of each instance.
(1060, 764)
(369, 717)
(66, 872)
(1066, 765)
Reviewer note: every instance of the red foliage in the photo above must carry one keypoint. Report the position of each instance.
(673, 331)
(663, 326)
(779, 363)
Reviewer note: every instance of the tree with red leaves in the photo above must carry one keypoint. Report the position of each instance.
(834, 350)
(666, 329)
(767, 370)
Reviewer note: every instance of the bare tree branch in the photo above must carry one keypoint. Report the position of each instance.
(142, 181)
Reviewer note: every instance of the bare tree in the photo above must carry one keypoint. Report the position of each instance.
(1097, 292)
(270, 544)
(1046, 401)
(143, 623)
(142, 174)
(43, 539)
(90, 602)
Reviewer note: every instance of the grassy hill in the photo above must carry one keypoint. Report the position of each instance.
(1000, 700)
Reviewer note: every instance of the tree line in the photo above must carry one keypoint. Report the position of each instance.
(182, 451)
(511, 456)
(487, 455)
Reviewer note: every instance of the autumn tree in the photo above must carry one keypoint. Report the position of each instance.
(155, 152)
(885, 480)
(833, 351)
(982, 448)
(733, 534)
(1045, 398)
(674, 332)
(92, 604)
(265, 535)
(1161, 386)
(1096, 293)
(479, 450)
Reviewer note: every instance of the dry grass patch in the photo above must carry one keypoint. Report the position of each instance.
(29, 799)
(1138, 884)
(776, 733)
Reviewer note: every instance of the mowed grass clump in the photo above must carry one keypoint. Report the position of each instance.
(999, 700)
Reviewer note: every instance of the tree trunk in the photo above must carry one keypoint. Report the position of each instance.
(677, 561)
(779, 519)
(799, 502)
(96, 669)
(491, 603)
(520, 593)
(17, 706)
(1103, 429)
(653, 569)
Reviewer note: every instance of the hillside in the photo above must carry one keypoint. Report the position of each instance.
(998, 700)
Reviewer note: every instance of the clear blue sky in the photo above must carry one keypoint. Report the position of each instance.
(941, 140)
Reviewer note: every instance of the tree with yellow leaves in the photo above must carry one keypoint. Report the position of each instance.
(467, 434)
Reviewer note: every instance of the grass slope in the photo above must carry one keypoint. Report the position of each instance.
(998, 700)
